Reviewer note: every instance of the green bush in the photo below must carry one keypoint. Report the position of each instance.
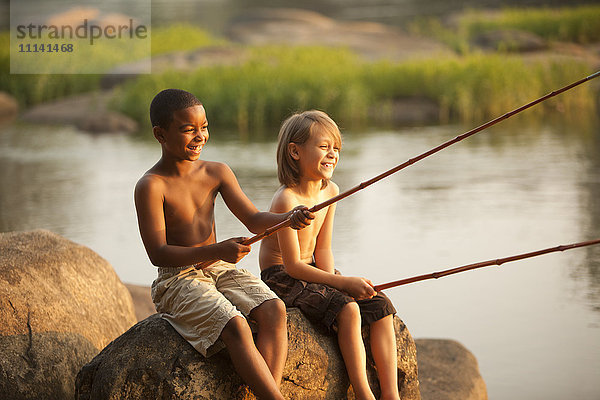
(571, 24)
(181, 37)
(31, 89)
(276, 81)
(273, 82)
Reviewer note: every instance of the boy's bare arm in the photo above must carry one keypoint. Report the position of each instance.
(241, 206)
(323, 254)
(359, 288)
(149, 204)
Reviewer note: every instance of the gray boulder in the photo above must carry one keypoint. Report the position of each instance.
(88, 112)
(60, 304)
(448, 371)
(511, 40)
(151, 361)
(288, 26)
(142, 301)
(8, 107)
(407, 111)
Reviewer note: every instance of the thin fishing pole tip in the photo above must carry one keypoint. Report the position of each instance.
(595, 74)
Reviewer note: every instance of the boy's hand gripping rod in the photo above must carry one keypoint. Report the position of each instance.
(411, 161)
(499, 261)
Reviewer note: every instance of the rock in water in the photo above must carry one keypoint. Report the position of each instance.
(60, 304)
(142, 300)
(151, 361)
(8, 106)
(448, 371)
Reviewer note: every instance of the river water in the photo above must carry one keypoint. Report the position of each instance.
(534, 325)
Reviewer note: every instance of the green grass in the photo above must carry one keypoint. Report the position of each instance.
(273, 82)
(31, 89)
(276, 81)
(181, 37)
(569, 24)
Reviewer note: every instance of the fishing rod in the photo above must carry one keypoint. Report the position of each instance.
(411, 161)
(468, 267)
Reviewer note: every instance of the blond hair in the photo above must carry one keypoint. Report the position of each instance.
(297, 129)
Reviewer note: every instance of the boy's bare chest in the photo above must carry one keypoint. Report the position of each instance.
(190, 201)
(310, 233)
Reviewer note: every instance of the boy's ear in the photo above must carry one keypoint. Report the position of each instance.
(159, 133)
(293, 149)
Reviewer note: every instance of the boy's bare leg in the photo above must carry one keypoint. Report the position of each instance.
(383, 347)
(271, 340)
(353, 350)
(247, 360)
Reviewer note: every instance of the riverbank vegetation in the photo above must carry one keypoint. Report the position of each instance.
(31, 89)
(275, 81)
(579, 25)
(270, 82)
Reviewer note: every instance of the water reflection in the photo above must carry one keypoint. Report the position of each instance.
(512, 189)
(591, 197)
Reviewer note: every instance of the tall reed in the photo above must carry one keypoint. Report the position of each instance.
(573, 24)
(30, 89)
(275, 81)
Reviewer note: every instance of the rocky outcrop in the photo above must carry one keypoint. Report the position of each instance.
(301, 27)
(88, 112)
(448, 371)
(178, 61)
(511, 40)
(151, 361)
(406, 112)
(60, 304)
(8, 107)
(142, 301)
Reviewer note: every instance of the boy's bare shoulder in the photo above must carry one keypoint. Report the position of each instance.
(284, 199)
(154, 177)
(217, 168)
(149, 183)
(333, 189)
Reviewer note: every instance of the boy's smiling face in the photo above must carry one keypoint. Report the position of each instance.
(187, 134)
(318, 156)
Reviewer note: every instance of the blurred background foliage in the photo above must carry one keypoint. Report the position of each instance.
(272, 81)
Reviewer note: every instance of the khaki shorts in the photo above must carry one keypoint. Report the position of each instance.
(198, 303)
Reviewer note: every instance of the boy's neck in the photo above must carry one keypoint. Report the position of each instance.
(309, 188)
(178, 167)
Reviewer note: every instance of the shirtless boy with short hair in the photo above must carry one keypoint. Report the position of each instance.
(208, 305)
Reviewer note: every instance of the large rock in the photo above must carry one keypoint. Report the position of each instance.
(8, 107)
(142, 301)
(151, 361)
(302, 27)
(188, 60)
(60, 304)
(511, 40)
(448, 371)
(88, 112)
(406, 111)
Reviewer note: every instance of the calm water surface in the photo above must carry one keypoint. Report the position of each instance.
(534, 325)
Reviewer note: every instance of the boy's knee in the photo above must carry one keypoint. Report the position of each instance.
(235, 330)
(276, 307)
(349, 312)
(271, 311)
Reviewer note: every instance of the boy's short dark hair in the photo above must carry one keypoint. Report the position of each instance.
(166, 102)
